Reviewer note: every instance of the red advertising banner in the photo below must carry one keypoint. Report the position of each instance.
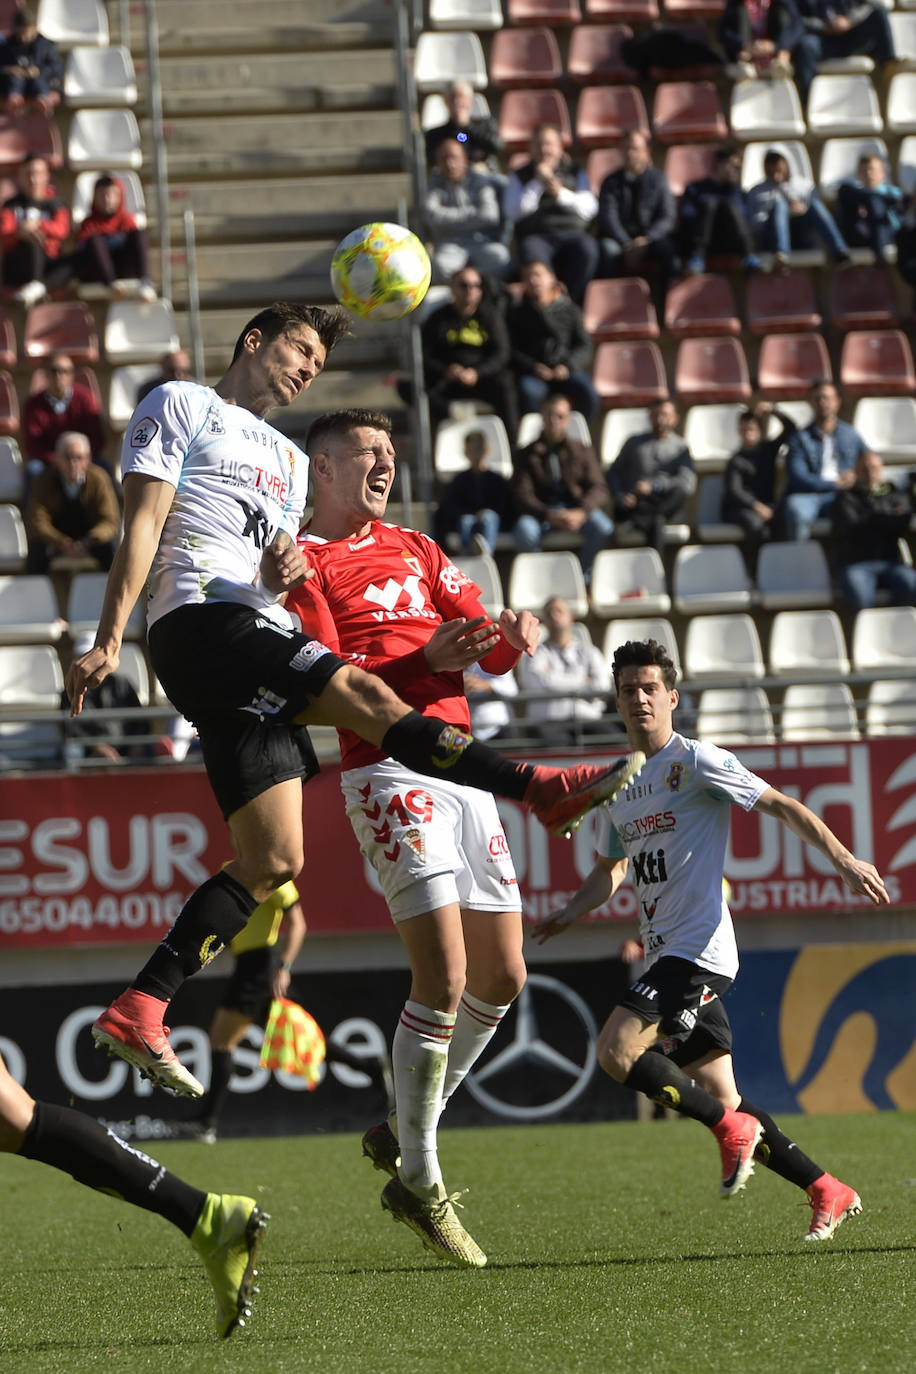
(110, 858)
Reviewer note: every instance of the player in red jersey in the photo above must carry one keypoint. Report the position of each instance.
(390, 601)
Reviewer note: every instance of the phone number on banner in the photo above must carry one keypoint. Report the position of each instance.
(138, 909)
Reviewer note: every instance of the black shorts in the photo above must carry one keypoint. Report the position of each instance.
(240, 679)
(250, 988)
(684, 1001)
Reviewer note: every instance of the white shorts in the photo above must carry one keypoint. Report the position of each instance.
(432, 843)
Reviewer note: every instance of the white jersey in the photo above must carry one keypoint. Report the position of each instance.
(237, 482)
(672, 825)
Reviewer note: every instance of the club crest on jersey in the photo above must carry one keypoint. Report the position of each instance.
(414, 838)
(144, 432)
(215, 422)
(675, 777)
(450, 745)
(290, 457)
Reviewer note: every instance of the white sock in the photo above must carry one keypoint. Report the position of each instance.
(419, 1056)
(475, 1025)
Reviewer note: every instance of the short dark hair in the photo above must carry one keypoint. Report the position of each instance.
(726, 152)
(642, 653)
(334, 424)
(771, 158)
(330, 325)
(824, 381)
(746, 416)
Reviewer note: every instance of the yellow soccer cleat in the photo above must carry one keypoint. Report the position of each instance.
(227, 1236)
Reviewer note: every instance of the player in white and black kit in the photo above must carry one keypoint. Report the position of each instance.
(670, 829)
(213, 500)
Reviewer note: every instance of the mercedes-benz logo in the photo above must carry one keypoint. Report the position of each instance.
(575, 1061)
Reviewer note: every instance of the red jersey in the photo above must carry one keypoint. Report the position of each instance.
(376, 601)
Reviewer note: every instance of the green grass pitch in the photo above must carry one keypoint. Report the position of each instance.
(609, 1251)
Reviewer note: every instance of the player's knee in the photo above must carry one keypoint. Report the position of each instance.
(272, 867)
(503, 985)
(613, 1058)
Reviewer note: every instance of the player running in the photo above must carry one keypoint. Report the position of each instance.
(390, 600)
(671, 829)
(213, 501)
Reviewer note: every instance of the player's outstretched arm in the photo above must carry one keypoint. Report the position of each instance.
(601, 883)
(858, 875)
(147, 501)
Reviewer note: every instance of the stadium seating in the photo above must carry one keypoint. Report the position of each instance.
(629, 582)
(434, 110)
(617, 426)
(623, 11)
(559, 14)
(134, 201)
(891, 708)
(722, 646)
(86, 377)
(807, 646)
(9, 404)
(13, 542)
(29, 132)
(789, 363)
(687, 162)
(28, 610)
(839, 157)
(619, 632)
(99, 76)
(600, 163)
(122, 391)
(8, 353)
(12, 472)
(710, 578)
(735, 715)
(884, 638)
(535, 577)
(793, 575)
(522, 111)
(711, 370)
(795, 153)
(132, 665)
(781, 303)
(449, 445)
(481, 569)
(711, 434)
(477, 15)
(818, 711)
(901, 103)
(594, 54)
(687, 111)
(906, 164)
(711, 528)
(524, 57)
(30, 675)
(841, 105)
(441, 57)
(701, 305)
(877, 363)
(139, 331)
(619, 308)
(72, 23)
(765, 109)
(903, 27)
(54, 326)
(531, 425)
(862, 298)
(888, 425)
(104, 140)
(631, 372)
(84, 606)
(604, 113)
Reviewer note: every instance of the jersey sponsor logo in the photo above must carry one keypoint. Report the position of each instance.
(266, 703)
(304, 658)
(649, 867)
(653, 941)
(648, 909)
(388, 596)
(499, 846)
(250, 475)
(144, 432)
(256, 526)
(645, 990)
(675, 777)
(655, 824)
(453, 579)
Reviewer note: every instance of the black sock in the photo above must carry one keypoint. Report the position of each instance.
(220, 1073)
(664, 1082)
(209, 919)
(779, 1153)
(78, 1145)
(428, 745)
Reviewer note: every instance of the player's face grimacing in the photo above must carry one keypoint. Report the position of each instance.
(645, 705)
(363, 468)
(289, 363)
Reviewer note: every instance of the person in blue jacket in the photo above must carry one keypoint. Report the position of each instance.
(820, 461)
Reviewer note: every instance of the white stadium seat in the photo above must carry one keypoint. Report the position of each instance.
(482, 569)
(818, 711)
(795, 153)
(793, 575)
(807, 646)
(12, 471)
(134, 200)
(531, 425)
(891, 708)
(618, 426)
(619, 632)
(762, 109)
(449, 445)
(133, 666)
(139, 331)
(839, 158)
(711, 528)
(434, 111)
(13, 542)
(888, 425)
(536, 577)
(443, 57)
(30, 675)
(69, 23)
(711, 434)
(843, 105)
(465, 14)
(104, 141)
(84, 606)
(625, 580)
(122, 391)
(100, 76)
(710, 578)
(28, 610)
(722, 646)
(884, 637)
(735, 715)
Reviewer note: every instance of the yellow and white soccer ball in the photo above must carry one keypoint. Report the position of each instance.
(380, 271)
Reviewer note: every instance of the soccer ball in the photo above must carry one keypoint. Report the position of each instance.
(380, 271)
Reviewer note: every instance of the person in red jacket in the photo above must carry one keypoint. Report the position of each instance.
(110, 245)
(33, 227)
(65, 405)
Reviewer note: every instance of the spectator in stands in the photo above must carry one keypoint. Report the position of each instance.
(551, 349)
(749, 495)
(462, 215)
(565, 662)
(33, 227)
(637, 213)
(559, 487)
(820, 462)
(551, 204)
(867, 521)
(479, 135)
(713, 216)
(787, 212)
(89, 736)
(477, 503)
(31, 68)
(65, 405)
(759, 37)
(109, 244)
(73, 508)
(488, 694)
(653, 477)
(174, 366)
(840, 28)
(871, 209)
(466, 352)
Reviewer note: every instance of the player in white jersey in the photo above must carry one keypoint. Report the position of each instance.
(669, 828)
(213, 499)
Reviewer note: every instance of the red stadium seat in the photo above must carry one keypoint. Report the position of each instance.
(711, 370)
(620, 309)
(522, 111)
(694, 9)
(8, 10)
(789, 364)
(623, 11)
(524, 57)
(781, 303)
(877, 364)
(702, 305)
(688, 111)
(606, 112)
(863, 298)
(600, 163)
(559, 14)
(9, 405)
(686, 163)
(39, 379)
(629, 374)
(64, 325)
(594, 54)
(30, 132)
(8, 353)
